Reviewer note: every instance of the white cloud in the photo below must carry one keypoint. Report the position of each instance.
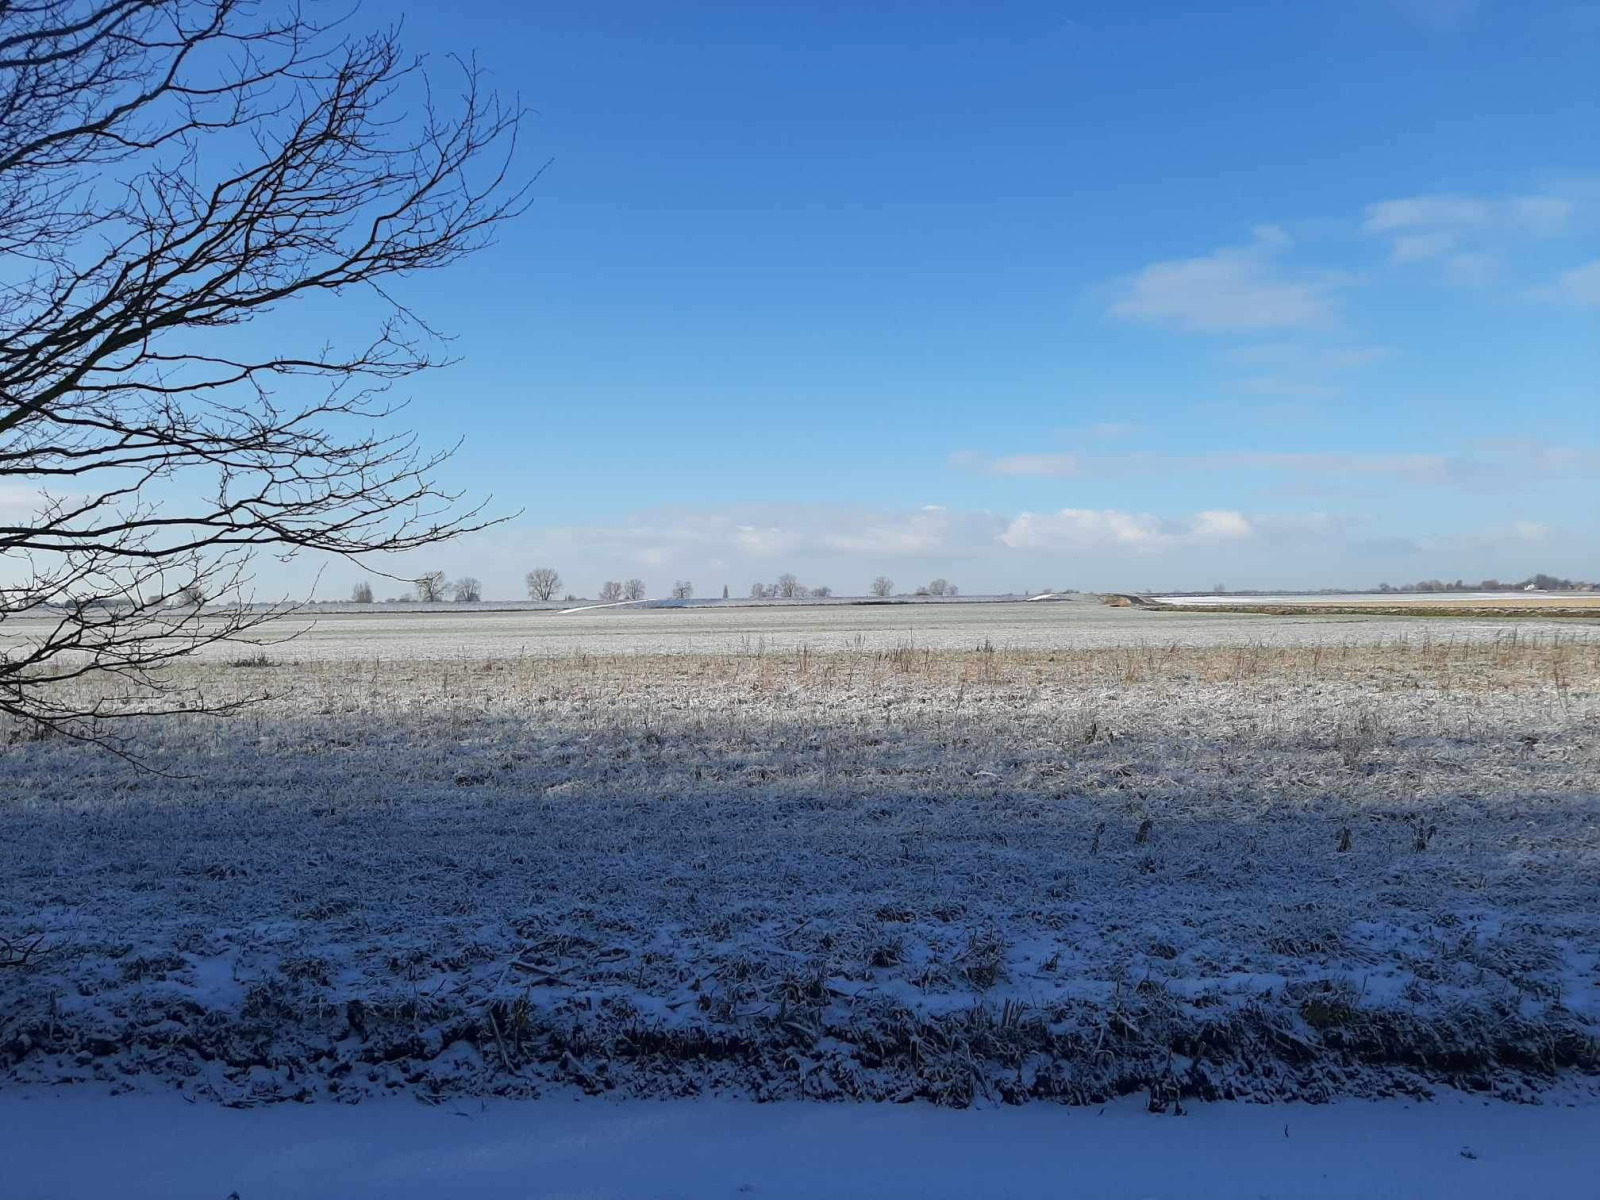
(1278, 386)
(1414, 247)
(1113, 429)
(20, 502)
(1476, 269)
(1234, 288)
(1422, 468)
(1088, 529)
(1417, 212)
(1020, 464)
(1544, 216)
(1464, 233)
(771, 532)
(1282, 355)
(1581, 285)
(1415, 468)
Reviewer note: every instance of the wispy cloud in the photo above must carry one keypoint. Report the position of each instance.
(1465, 234)
(1489, 463)
(1544, 216)
(1415, 247)
(772, 532)
(1236, 288)
(1018, 464)
(1089, 529)
(1423, 468)
(1283, 388)
(1475, 269)
(1436, 211)
(1279, 356)
(1581, 285)
(1419, 468)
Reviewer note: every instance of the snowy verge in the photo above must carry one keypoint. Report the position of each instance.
(156, 1148)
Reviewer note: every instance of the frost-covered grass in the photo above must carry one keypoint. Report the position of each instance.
(1290, 870)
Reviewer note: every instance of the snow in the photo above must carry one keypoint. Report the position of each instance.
(449, 632)
(1555, 599)
(1057, 874)
(65, 1146)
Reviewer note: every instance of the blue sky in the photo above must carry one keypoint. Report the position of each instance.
(1143, 295)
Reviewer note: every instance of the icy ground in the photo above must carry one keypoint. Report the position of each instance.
(1451, 1148)
(1243, 872)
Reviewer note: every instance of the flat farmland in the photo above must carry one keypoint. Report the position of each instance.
(953, 852)
(480, 633)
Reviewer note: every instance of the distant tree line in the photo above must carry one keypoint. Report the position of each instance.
(545, 584)
(787, 587)
(1545, 583)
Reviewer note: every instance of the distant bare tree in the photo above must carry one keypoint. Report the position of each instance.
(543, 583)
(788, 585)
(172, 170)
(758, 590)
(633, 589)
(610, 591)
(823, 592)
(939, 587)
(682, 590)
(431, 587)
(951, 589)
(361, 593)
(467, 590)
(190, 595)
(882, 586)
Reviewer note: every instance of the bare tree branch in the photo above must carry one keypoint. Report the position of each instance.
(170, 170)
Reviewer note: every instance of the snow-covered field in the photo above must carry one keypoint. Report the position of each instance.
(827, 865)
(412, 632)
(1449, 1148)
(1396, 599)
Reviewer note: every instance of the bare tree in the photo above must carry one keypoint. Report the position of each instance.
(633, 589)
(758, 590)
(190, 595)
(939, 587)
(682, 590)
(823, 592)
(169, 170)
(543, 583)
(788, 585)
(431, 587)
(610, 591)
(882, 586)
(361, 593)
(467, 590)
